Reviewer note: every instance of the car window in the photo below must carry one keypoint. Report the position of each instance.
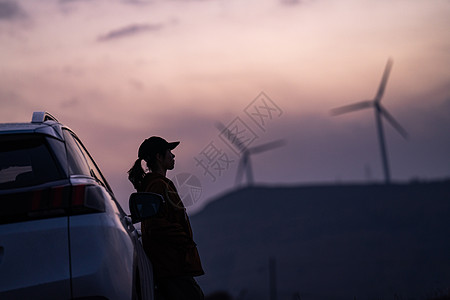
(26, 160)
(59, 151)
(81, 160)
(95, 172)
(77, 162)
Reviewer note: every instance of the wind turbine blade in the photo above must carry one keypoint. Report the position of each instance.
(393, 122)
(384, 80)
(267, 146)
(351, 107)
(231, 136)
(220, 126)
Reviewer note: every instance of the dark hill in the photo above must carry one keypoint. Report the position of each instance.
(328, 242)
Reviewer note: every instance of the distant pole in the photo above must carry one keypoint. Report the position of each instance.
(384, 158)
(272, 278)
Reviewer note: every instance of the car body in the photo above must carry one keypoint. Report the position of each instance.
(63, 235)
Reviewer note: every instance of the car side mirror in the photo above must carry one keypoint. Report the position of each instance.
(144, 205)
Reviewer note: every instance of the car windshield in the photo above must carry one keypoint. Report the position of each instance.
(25, 160)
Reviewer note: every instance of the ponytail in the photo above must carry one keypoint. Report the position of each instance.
(136, 174)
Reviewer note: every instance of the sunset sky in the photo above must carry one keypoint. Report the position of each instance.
(117, 72)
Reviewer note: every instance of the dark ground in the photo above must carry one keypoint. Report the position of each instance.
(328, 242)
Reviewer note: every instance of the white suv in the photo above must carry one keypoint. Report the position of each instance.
(63, 235)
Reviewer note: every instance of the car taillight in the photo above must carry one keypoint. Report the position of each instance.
(52, 199)
(87, 199)
(51, 202)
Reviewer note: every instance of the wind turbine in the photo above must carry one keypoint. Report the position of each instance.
(380, 112)
(245, 164)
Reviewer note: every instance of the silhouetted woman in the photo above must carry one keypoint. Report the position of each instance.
(167, 237)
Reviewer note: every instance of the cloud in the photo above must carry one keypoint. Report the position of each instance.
(138, 2)
(10, 10)
(73, 1)
(290, 2)
(129, 31)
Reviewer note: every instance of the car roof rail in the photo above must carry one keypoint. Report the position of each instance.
(42, 116)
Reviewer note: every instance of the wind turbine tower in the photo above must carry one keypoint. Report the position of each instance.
(245, 165)
(380, 113)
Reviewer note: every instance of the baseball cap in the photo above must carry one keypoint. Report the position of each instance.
(153, 145)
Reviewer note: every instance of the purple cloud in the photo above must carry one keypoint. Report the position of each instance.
(128, 31)
(10, 10)
(290, 2)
